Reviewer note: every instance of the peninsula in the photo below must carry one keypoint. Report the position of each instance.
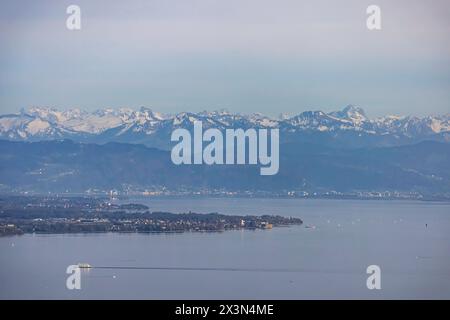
(20, 215)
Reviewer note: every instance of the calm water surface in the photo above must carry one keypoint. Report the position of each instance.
(328, 261)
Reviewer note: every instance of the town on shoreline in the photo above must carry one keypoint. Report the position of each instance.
(19, 215)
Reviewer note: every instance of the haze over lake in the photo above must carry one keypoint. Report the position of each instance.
(326, 257)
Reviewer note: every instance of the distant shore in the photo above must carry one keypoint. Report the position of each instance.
(321, 196)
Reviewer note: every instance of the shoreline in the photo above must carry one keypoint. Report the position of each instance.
(209, 197)
(140, 232)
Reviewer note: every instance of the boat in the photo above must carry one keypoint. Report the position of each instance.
(84, 266)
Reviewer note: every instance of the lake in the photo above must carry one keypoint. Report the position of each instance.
(326, 257)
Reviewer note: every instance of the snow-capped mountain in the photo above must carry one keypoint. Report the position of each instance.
(349, 126)
(351, 113)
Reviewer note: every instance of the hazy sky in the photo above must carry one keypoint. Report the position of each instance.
(266, 56)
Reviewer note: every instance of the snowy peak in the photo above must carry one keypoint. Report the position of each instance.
(319, 121)
(125, 124)
(352, 113)
(146, 114)
(439, 123)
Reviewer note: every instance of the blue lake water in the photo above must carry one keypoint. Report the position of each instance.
(327, 261)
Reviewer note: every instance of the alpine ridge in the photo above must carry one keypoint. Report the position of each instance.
(348, 127)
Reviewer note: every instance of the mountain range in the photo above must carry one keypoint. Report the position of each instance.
(46, 150)
(67, 166)
(349, 128)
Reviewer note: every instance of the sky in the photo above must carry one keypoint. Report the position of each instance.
(267, 56)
